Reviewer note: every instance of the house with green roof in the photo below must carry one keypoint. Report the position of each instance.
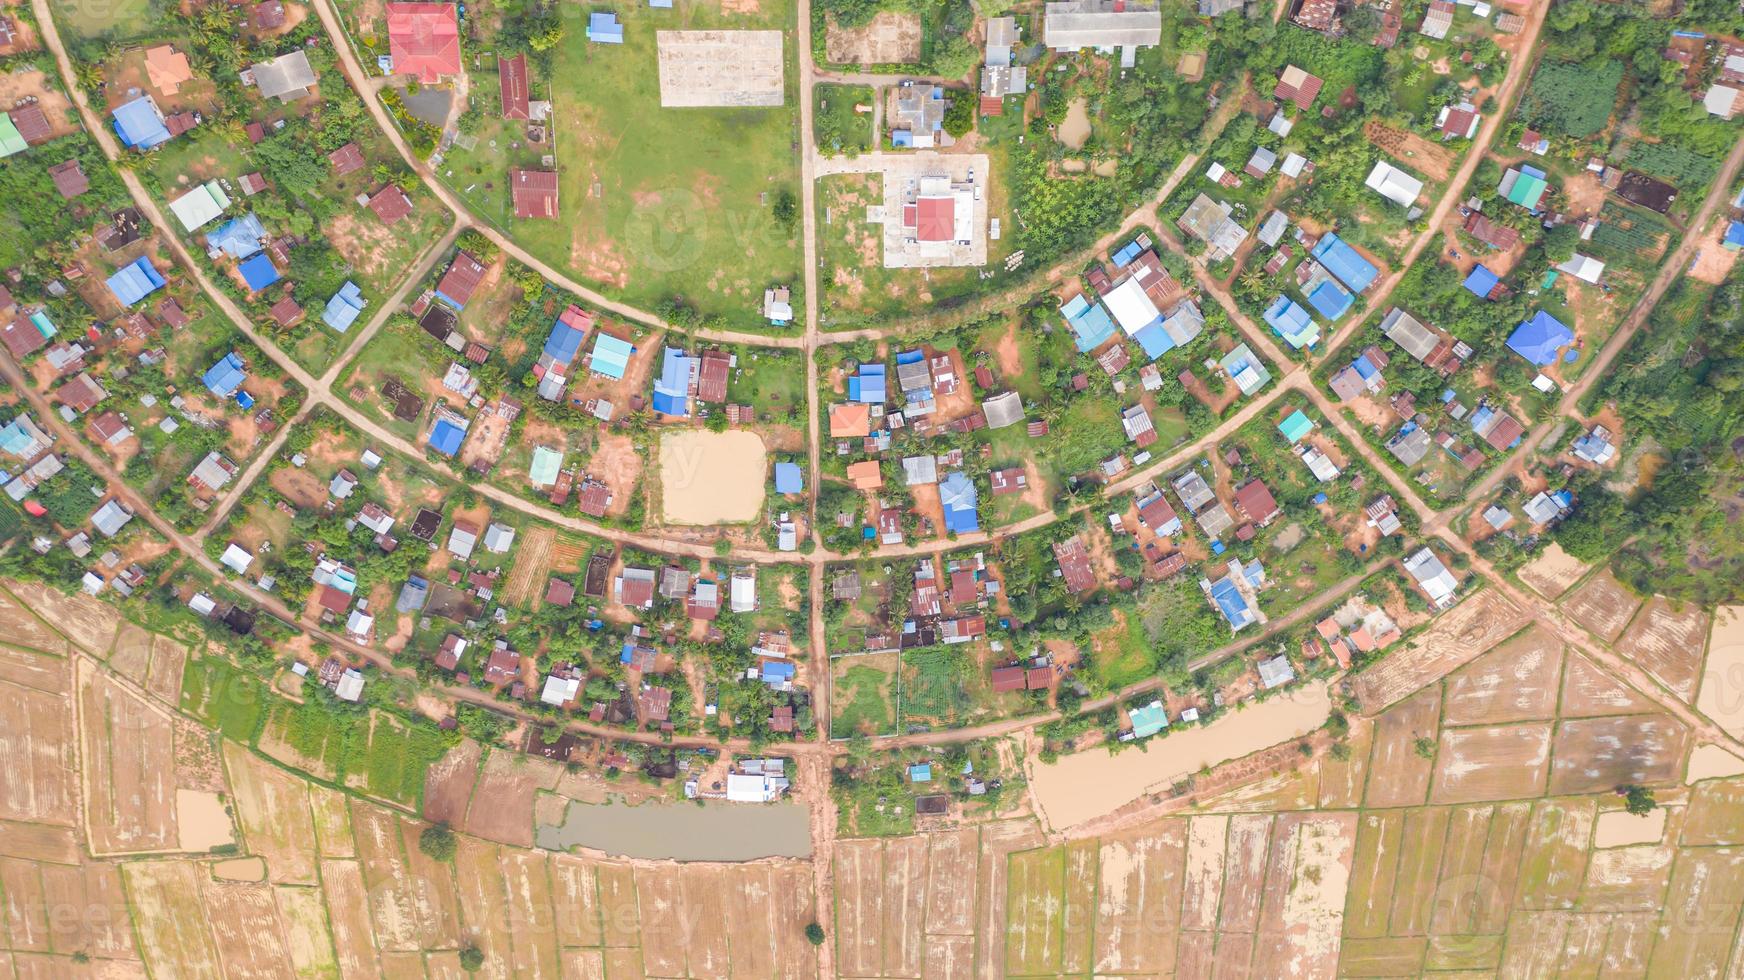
(1148, 720)
(1523, 185)
(610, 357)
(1296, 427)
(10, 140)
(542, 471)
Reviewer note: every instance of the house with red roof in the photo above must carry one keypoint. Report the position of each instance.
(512, 83)
(534, 192)
(390, 204)
(424, 40)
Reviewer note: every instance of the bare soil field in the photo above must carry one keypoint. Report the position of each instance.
(1429, 159)
(448, 783)
(273, 808)
(22, 628)
(1602, 604)
(1398, 774)
(1720, 695)
(348, 918)
(1599, 754)
(1667, 642)
(128, 749)
(1500, 763)
(526, 585)
(1553, 572)
(889, 38)
(89, 623)
(36, 740)
(174, 937)
(502, 802)
(1450, 642)
(1516, 681)
(1588, 691)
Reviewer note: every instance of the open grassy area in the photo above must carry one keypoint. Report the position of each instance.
(839, 129)
(118, 19)
(221, 695)
(865, 689)
(656, 202)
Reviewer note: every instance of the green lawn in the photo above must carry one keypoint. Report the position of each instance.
(116, 19)
(221, 695)
(841, 131)
(686, 198)
(863, 698)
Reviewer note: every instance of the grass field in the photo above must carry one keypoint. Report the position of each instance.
(865, 695)
(118, 19)
(841, 131)
(686, 198)
(224, 697)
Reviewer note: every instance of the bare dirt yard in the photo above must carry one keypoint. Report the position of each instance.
(1432, 160)
(889, 38)
(1553, 572)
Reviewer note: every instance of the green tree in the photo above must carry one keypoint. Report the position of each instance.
(1637, 799)
(437, 842)
(814, 934)
(471, 958)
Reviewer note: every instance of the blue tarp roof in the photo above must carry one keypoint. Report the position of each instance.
(957, 494)
(135, 281)
(788, 479)
(1124, 257)
(1345, 262)
(611, 356)
(223, 378)
(343, 308)
(140, 125)
(911, 356)
(1155, 340)
(1735, 233)
(604, 28)
(1364, 368)
(239, 237)
(564, 342)
(672, 388)
(446, 437)
(1330, 300)
(1090, 323)
(1481, 281)
(1538, 339)
(1230, 603)
(776, 671)
(258, 271)
(1287, 318)
(868, 386)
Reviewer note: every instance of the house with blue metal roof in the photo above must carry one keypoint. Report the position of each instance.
(1344, 262)
(788, 478)
(140, 124)
(957, 495)
(1125, 256)
(226, 376)
(778, 674)
(603, 28)
(1154, 340)
(446, 437)
(239, 237)
(1090, 323)
(1227, 597)
(135, 281)
(1481, 282)
(869, 385)
(1734, 239)
(1329, 299)
(343, 307)
(258, 271)
(1539, 339)
(920, 772)
(610, 357)
(1292, 322)
(563, 344)
(672, 387)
